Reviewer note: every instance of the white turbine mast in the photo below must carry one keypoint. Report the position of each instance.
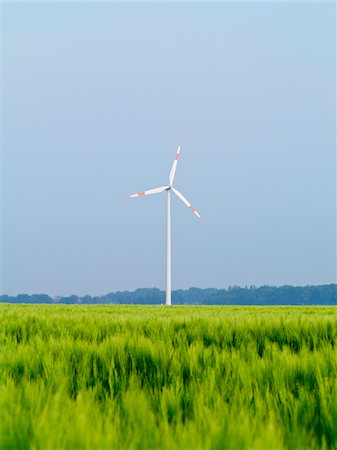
(168, 189)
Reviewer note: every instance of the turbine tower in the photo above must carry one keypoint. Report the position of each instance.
(168, 188)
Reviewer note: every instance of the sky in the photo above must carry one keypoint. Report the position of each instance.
(96, 98)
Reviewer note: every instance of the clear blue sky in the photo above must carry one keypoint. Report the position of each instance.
(96, 98)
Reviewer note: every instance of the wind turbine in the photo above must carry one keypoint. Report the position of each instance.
(168, 188)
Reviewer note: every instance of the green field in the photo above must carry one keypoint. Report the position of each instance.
(99, 377)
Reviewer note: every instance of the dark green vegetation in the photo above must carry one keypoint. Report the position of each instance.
(100, 377)
(264, 295)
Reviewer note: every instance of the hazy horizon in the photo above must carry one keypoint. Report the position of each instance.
(96, 98)
(55, 296)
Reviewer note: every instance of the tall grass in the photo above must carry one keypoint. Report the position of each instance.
(97, 377)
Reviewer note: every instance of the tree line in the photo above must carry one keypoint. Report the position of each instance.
(235, 295)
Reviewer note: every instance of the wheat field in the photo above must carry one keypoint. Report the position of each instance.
(138, 377)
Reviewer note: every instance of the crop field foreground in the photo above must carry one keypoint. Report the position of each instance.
(138, 377)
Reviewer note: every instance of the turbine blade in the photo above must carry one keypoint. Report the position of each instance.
(150, 192)
(187, 203)
(174, 166)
